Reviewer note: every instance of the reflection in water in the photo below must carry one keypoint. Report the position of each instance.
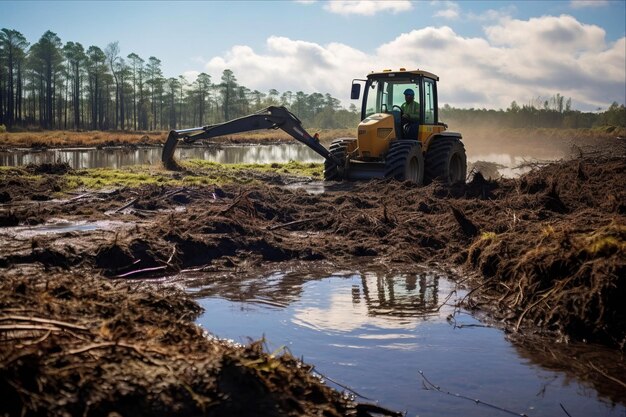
(602, 368)
(384, 300)
(375, 331)
(385, 294)
(257, 154)
(401, 296)
(119, 157)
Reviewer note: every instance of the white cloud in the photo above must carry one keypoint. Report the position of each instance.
(514, 60)
(452, 10)
(292, 65)
(562, 32)
(580, 4)
(492, 15)
(305, 1)
(367, 7)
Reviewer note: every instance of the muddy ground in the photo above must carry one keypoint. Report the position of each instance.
(545, 254)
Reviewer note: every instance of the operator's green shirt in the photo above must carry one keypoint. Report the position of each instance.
(412, 110)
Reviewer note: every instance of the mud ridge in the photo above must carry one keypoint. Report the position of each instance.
(83, 346)
(545, 253)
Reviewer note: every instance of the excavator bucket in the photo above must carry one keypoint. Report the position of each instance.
(167, 156)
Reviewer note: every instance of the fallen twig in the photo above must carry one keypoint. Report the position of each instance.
(339, 384)
(78, 197)
(293, 223)
(446, 300)
(232, 205)
(430, 386)
(376, 409)
(125, 206)
(169, 260)
(564, 410)
(139, 351)
(141, 271)
(604, 374)
(18, 327)
(45, 321)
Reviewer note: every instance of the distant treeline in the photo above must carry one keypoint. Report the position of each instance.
(555, 112)
(51, 85)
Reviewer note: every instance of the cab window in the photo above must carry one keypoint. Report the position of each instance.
(398, 93)
(374, 99)
(383, 95)
(429, 102)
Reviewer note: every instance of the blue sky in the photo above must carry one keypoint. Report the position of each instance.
(487, 53)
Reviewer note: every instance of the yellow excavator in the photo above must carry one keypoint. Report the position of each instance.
(387, 144)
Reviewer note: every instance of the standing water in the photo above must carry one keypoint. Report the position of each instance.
(389, 337)
(120, 157)
(83, 158)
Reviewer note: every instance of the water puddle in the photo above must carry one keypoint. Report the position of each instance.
(321, 187)
(120, 157)
(496, 165)
(386, 335)
(61, 226)
(493, 164)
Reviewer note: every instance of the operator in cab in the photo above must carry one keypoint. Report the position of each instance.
(410, 115)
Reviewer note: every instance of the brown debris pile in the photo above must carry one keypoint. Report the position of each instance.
(560, 262)
(81, 345)
(547, 253)
(548, 247)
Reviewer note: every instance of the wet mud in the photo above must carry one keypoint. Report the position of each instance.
(117, 348)
(545, 256)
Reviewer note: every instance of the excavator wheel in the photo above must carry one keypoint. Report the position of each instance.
(446, 160)
(339, 149)
(405, 161)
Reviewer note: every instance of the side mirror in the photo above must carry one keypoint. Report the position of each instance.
(356, 91)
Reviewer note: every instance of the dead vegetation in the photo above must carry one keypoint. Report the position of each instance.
(548, 247)
(67, 138)
(80, 345)
(546, 252)
(102, 139)
(562, 266)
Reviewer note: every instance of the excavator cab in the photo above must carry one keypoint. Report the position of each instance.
(384, 94)
(383, 149)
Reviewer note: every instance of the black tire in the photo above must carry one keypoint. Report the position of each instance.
(405, 161)
(339, 149)
(446, 161)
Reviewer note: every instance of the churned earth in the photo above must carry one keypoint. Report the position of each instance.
(80, 332)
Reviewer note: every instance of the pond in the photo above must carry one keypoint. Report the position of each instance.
(491, 164)
(82, 158)
(389, 337)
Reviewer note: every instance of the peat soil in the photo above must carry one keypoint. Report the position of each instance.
(80, 332)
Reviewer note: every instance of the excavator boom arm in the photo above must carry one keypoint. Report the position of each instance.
(270, 118)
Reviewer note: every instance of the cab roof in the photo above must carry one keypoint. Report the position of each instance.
(401, 72)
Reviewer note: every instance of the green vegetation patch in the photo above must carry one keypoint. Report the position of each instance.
(605, 241)
(301, 169)
(195, 172)
(106, 177)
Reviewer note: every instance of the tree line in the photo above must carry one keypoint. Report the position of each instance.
(52, 85)
(554, 112)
